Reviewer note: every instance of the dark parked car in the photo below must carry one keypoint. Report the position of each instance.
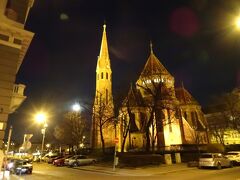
(60, 161)
(19, 166)
(51, 159)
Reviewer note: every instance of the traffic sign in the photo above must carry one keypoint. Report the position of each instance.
(116, 140)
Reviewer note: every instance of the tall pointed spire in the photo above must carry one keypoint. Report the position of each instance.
(103, 98)
(151, 47)
(104, 46)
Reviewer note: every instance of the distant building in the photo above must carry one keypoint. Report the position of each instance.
(14, 43)
(221, 117)
(177, 120)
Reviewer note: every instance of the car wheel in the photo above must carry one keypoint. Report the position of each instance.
(219, 166)
(93, 162)
(75, 164)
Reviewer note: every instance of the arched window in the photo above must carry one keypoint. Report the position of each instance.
(102, 75)
(185, 115)
(106, 75)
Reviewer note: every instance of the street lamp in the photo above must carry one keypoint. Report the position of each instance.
(41, 118)
(237, 22)
(76, 107)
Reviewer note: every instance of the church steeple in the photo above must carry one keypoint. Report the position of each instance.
(151, 47)
(103, 59)
(103, 97)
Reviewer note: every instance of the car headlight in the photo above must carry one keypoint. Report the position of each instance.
(10, 165)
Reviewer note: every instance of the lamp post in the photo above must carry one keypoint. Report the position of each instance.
(41, 118)
(237, 22)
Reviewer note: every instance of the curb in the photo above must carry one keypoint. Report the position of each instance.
(96, 170)
(132, 173)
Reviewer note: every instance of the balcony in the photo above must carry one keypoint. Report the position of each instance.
(17, 97)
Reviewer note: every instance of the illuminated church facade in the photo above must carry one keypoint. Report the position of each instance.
(171, 114)
(175, 118)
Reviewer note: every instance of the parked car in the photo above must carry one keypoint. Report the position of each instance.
(216, 160)
(81, 160)
(67, 160)
(19, 166)
(234, 156)
(46, 157)
(60, 161)
(52, 158)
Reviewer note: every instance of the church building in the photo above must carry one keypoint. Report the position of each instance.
(154, 108)
(154, 113)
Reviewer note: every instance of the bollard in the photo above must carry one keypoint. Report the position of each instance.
(178, 157)
(168, 159)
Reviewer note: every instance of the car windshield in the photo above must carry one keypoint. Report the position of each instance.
(232, 153)
(206, 156)
(21, 162)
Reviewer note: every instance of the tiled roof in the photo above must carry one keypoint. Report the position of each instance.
(184, 96)
(154, 67)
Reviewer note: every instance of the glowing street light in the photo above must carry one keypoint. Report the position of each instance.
(48, 145)
(42, 118)
(237, 22)
(76, 107)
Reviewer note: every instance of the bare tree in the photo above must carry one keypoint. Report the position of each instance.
(126, 121)
(226, 115)
(103, 117)
(218, 127)
(71, 130)
(157, 96)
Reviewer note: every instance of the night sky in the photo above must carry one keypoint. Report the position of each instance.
(195, 40)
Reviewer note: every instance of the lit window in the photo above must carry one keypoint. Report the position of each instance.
(1, 125)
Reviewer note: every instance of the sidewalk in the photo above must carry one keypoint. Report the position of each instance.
(139, 171)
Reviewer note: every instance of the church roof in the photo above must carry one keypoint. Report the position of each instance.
(133, 98)
(184, 96)
(153, 66)
(103, 58)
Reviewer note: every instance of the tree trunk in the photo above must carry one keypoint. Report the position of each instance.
(147, 140)
(102, 140)
(123, 143)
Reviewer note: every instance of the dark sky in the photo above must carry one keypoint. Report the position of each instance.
(195, 40)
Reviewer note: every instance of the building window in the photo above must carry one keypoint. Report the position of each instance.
(1, 125)
(102, 75)
(169, 120)
(4, 37)
(194, 120)
(185, 115)
(106, 75)
(17, 41)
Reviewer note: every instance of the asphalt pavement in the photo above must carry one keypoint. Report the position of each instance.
(140, 171)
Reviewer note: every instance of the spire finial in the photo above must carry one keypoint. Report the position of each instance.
(182, 85)
(104, 25)
(151, 47)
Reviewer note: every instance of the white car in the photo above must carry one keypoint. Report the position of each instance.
(216, 160)
(80, 160)
(234, 156)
